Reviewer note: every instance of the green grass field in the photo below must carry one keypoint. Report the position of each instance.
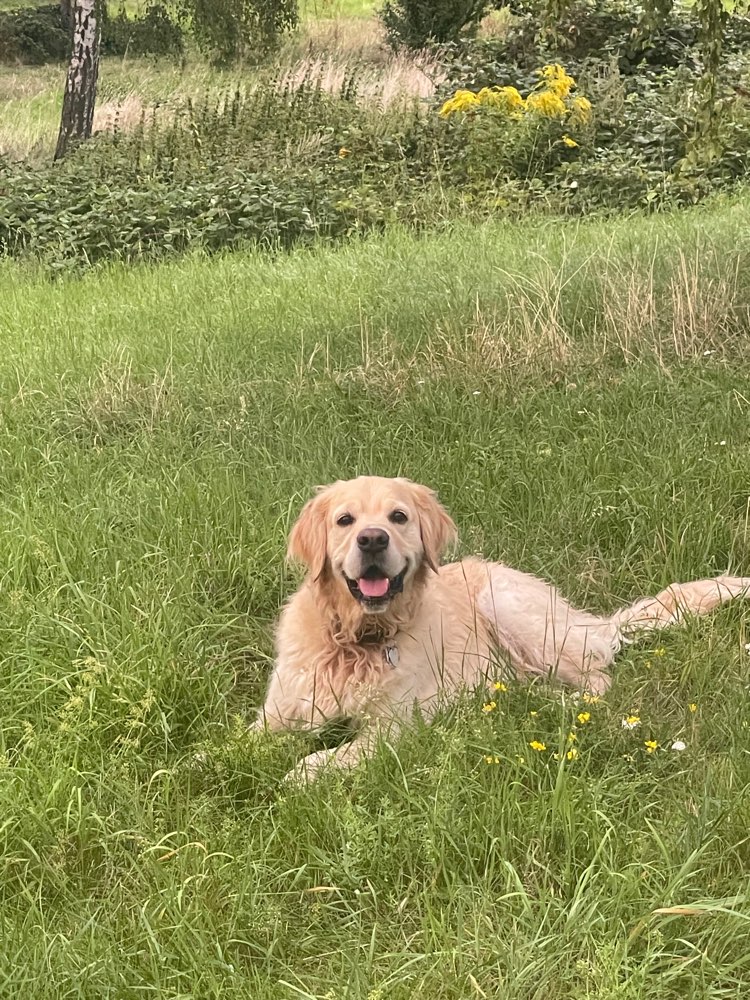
(580, 397)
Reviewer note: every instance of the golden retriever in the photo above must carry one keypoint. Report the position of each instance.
(379, 626)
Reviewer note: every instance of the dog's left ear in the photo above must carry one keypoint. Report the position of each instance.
(436, 527)
(308, 539)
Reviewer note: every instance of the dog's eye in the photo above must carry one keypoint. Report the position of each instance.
(345, 520)
(398, 517)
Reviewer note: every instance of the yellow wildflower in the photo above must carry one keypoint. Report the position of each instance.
(532, 714)
(583, 717)
(344, 152)
(650, 746)
(490, 706)
(580, 108)
(571, 144)
(631, 721)
(462, 100)
(520, 759)
(692, 707)
(506, 99)
(557, 80)
(547, 104)
(499, 686)
(536, 745)
(572, 753)
(572, 737)
(489, 759)
(661, 651)
(590, 699)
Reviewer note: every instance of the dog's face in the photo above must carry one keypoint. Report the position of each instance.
(371, 537)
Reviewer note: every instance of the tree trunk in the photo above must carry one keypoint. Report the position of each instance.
(80, 88)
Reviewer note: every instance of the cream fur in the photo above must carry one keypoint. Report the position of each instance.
(450, 626)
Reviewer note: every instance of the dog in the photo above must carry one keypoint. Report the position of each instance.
(379, 626)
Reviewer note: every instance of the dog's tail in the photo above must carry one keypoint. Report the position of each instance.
(680, 600)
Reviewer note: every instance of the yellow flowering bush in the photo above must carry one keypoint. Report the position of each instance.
(462, 100)
(503, 131)
(550, 99)
(505, 99)
(557, 81)
(546, 103)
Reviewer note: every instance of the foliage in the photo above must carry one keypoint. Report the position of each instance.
(74, 217)
(497, 132)
(712, 17)
(279, 165)
(416, 23)
(153, 32)
(220, 174)
(33, 35)
(238, 29)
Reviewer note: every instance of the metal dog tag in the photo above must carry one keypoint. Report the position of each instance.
(391, 655)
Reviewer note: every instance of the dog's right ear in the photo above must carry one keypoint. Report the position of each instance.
(308, 539)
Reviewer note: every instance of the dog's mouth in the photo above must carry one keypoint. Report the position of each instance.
(374, 587)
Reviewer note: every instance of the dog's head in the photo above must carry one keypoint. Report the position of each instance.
(371, 537)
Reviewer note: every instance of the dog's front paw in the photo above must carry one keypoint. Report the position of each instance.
(310, 767)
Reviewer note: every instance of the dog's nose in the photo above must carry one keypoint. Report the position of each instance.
(373, 540)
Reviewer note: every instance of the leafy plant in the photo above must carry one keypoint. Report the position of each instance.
(416, 23)
(154, 32)
(231, 30)
(33, 35)
(497, 132)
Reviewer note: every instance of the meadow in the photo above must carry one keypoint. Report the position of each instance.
(550, 343)
(578, 394)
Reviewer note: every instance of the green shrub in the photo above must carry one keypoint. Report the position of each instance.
(222, 173)
(230, 30)
(33, 35)
(416, 23)
(74, 217)
(155, 32)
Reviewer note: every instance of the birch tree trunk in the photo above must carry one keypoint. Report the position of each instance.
(80, 87)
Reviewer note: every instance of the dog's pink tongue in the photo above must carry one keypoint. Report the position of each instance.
(373, 588)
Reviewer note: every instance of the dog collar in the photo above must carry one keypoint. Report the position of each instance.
(379, 638)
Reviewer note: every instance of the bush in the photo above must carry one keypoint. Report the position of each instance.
(219, 175)
(33, 35)
(73, 217)
(416, 23)
(498, 133)
(231, 30)
(155, 32)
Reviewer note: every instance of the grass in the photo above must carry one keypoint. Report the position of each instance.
(580, 397)
(320, 9)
